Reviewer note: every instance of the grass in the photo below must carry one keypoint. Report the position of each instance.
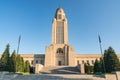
(23, 73)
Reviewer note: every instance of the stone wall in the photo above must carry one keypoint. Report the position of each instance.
(110, 77)
(118, 75)
(38, 68)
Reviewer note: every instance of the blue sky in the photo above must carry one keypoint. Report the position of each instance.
(33, 20)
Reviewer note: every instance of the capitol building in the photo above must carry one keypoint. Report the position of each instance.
(59, 52)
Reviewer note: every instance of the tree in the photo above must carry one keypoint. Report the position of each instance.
(18, 63)
(27, 66)
(22, 64)
(97, 66)
(88, 68)
(13, 61)
(111, 60)
(5, 59)
(32, 69)
(102, 63)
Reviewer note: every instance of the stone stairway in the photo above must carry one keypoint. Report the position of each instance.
(60, 70)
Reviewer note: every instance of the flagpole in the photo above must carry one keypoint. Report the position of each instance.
(17, 52)
(102, 53)
(18, 44)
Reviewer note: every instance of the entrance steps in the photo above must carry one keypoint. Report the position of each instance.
(60, 70)
(59, 77)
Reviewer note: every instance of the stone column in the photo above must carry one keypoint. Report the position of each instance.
(82, 70)
(66, 55)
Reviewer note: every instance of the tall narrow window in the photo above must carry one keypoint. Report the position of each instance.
(92, 61)
(78, 62)
(87, 61)
(42, 62)
(36, 61)
(82, 61)
(32, 62)
(60, 32)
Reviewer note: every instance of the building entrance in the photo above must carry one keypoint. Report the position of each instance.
(59, 63)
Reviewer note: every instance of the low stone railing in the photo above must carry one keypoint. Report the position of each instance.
(114, 76)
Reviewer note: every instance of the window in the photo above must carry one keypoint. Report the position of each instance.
(60, 51)
(82, 61)
(42, 62)
(36, 61)
(92, 61)
(60, 32)
(32, 62)
(87, 61)
(60, 11)
(78, 62)
(59, 16)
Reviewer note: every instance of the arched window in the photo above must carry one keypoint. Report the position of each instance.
(83, 62)
(59, 16)
(60, 51)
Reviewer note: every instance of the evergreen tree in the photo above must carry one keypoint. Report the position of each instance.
(118, 68)
(13, 61)
(102, 65)
(27, 66)
(5, 59)
(111, 60)
(18, 63)
(88, 68)
(32, 69)
(22, 64)
(10, 66)
(97, 66)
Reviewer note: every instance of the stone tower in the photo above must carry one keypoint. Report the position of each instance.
(59, 28)
(59, 53)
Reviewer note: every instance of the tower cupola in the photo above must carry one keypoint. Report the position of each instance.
(60, 15)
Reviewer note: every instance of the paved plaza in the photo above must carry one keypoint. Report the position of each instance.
(9, 76)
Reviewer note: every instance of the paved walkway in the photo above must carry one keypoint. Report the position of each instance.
(52, 77)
